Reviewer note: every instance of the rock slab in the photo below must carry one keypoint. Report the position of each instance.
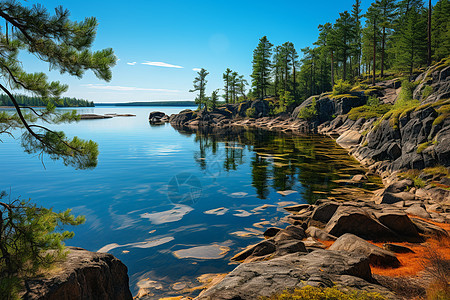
(83, 275)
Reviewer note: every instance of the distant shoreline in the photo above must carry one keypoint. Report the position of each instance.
(157, 103)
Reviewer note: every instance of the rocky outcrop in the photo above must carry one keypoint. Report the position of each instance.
(377, 256)
(156, 117)
(319, 268)
(83, 275)
(438, 79)
(105, 116)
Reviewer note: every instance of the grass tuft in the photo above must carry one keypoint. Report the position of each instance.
(331, 293)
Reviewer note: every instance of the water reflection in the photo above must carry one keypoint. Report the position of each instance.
(312, 165)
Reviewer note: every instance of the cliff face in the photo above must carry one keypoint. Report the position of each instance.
(83, 275)
(416, 137)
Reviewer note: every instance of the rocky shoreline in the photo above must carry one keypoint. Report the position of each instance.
(333, 243)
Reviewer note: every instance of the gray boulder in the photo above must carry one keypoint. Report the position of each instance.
(351, 219)
(377, 256)
(320, 234)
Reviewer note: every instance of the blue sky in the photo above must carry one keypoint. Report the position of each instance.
(185, 35)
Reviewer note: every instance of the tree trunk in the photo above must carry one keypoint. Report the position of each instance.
(332, 69)
(382, 51)
(293, 79)
(412, 58)
(374, 50)
(285, 75)
(429, 33)
(344, 74)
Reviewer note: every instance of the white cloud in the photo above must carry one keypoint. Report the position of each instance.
(131, 63)
(125, 88)
(161, 64)
(196, 69)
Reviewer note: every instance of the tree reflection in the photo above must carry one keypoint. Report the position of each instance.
(308, 164)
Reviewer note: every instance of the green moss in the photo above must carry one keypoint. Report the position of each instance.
(368, 111)
(438, 170)
(407, 111)
(441, 102)
(440, 119)
(444, 109)
(337, 97)
(331, 293)
(422, 147)
(369, 91)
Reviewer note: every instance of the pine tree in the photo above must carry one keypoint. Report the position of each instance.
(295, 65)
(277, 70)
(411, 44)
(261, 67)
(440, 30)
(214, 99)
(65, 46)
(357, 30)
(371, 33)
(226, 79)
(200, 87)
(386, 10)
(242, 82)
(327, 43)
(343, 37)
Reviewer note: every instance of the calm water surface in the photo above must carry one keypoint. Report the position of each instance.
(174, 204)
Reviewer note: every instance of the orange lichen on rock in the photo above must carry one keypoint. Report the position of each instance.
(326, 243)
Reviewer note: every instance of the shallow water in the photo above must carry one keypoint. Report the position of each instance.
(174, 204)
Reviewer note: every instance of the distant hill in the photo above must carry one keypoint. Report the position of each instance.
(156, 103)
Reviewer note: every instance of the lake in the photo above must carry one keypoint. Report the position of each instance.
(174, 204)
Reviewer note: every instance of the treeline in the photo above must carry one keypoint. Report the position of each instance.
(24, 100)
(154, 103)
(392, 36)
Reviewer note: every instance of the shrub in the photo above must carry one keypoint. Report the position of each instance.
(30, 241)
(437, 170)
(360, 87)
(373, 101)
(438, 268)
(414, 176)
(341, 87)
(427, 91)
(331, 293)
(405, 98)
(286, 99)
(251, 112)
(308, 113)
(279, 109)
